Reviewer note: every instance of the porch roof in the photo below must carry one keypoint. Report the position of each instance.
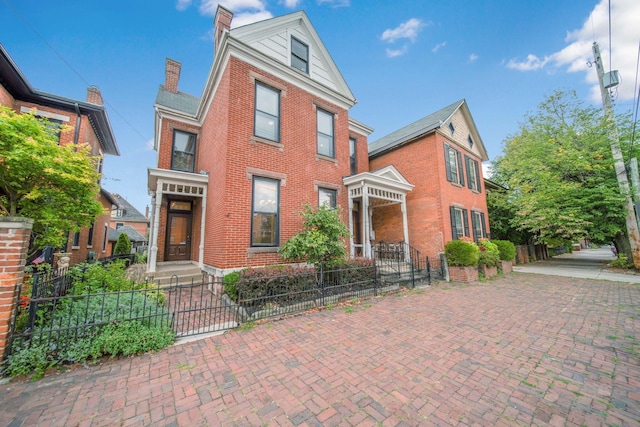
(177, 182)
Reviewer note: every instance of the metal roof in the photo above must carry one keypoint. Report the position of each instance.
(133, 235)
(180, 101)
(129, 212)
(420, 127)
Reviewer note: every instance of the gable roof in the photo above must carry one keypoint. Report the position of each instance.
(17, 85)
(271, 37)
(130, 213)
(425, 125)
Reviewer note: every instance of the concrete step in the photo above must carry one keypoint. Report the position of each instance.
(182, 273)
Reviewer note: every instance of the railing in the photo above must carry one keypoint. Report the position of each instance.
(400, 260)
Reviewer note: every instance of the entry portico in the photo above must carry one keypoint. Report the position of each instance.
(381, 187)
(163, 183)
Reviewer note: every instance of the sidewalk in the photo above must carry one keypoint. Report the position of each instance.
(520, 349)
(585, 264)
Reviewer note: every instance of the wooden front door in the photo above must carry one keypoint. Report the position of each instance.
(178, 247)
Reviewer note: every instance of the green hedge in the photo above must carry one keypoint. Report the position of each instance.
(461, 253)
(506, 248)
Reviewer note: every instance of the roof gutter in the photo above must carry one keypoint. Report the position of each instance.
(78, 123)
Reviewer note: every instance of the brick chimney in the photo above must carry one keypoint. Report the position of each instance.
(172, 75)
(221, 22)
(94, 96)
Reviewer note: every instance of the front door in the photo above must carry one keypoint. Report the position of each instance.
(178, 246)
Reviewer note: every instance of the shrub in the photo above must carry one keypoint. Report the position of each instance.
(123, 245)
(621, 262)
(230, 282)
(461, 253)
(489, 253)
(506, 248)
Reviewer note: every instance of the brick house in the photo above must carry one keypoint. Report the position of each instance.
(125, 218)
(271, 132)
(441, 155)
(86, 122)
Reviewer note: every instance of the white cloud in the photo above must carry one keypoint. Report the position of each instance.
(249, 17)
(290, 3)
(209, 7)
(531, 63)
(473, 57)
(183, 4)
(392, 53)
(574, 57)
(439, 46)
(150, 145)
(406, 30)
(335, 3)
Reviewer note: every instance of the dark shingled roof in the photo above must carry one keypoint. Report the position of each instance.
(134, 236)
(130, 212)
(424, 125)
(178, 101)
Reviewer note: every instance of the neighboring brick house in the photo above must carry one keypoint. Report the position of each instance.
(270, 133)
(124, 214)
(87, 122)
(441, 155)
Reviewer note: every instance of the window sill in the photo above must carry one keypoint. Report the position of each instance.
(262, 250)
(326, 158)
(256, 139)
(75, 248)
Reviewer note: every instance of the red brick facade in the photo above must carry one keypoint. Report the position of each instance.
(428, 205)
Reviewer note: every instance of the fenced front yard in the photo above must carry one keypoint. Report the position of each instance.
(83, 313)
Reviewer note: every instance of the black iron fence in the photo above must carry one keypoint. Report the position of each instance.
(271, 295)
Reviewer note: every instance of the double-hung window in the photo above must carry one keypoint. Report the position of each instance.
(327, 197)
(265, 212)
(184, 151)
(325, 133)
(453, 165)
(267, 113)
(90, 238)
(459, 222)
(353, 157)
(473, 173)
(479, 225)
(299, 55)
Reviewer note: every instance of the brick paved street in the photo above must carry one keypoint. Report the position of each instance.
(522, 349)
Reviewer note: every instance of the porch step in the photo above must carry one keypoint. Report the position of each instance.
(181, 273)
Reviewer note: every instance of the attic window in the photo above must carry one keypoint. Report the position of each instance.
(299, 55)
(470, 141)
(452, 129)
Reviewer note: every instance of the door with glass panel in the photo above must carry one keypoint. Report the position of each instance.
(178, 246)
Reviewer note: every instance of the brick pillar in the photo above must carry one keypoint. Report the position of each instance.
(14, 243)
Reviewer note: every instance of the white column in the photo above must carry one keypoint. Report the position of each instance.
(351, 247)
(405, 225)
(202, 224)
(405, 222)
(151, 221)
(366, 221)
(153, 250)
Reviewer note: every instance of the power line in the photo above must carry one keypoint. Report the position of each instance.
(115, 110)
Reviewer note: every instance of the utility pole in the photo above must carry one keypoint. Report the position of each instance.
(621, 172)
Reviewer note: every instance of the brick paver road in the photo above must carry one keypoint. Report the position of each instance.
(518, 350)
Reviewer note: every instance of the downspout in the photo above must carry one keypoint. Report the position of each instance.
(78, 122)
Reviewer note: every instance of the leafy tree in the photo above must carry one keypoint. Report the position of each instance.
(123, 245)
(53, 184)
(559, 174)
(321, 239)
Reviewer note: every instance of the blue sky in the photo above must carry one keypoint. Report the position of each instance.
(402, 59)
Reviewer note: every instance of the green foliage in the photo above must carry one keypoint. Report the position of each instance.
(140, 258)
(56, 185)
(95, 322)
(621, 262)
(123, 245)
(321, 239)
(461, 253)
(230, 282)
(489, 253)
(130, 338)
(560, 177)
(506, 248)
